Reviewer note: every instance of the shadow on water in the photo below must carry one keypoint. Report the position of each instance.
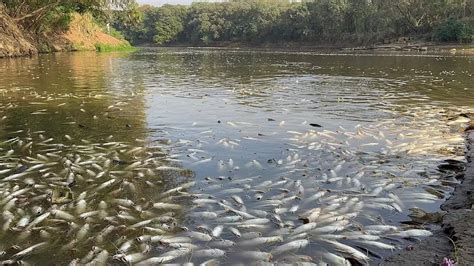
(76, 94)
(75, 155)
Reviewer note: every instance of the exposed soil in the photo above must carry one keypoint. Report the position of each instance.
(12, 40)
(455, 239)
(83, 34)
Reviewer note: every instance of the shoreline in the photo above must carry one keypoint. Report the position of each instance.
(455, 238)
(410, 49)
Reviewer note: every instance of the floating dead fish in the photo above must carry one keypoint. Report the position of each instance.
(132, 198)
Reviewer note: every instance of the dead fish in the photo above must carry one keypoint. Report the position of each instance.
(260, 241)
(166, 257)
(290, 246)
(29, 250)
(413, 233)
(217, 231)
(206, 215)
(256, 255)
(356, 254)
(235, 231)
(212, 253)
(199, 236)
(169, 206)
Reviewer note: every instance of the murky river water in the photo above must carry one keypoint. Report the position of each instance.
(227, 156)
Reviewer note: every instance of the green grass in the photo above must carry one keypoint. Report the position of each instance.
(100, 47)
(116, 34)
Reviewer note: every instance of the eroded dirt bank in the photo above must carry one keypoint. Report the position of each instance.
(455, 239)
(13, 42)
(83, 34)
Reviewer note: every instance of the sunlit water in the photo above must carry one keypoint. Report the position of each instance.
(260, 140)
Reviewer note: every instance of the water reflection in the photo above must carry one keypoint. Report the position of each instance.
(198, 155)
(75, 94)
(78, 172)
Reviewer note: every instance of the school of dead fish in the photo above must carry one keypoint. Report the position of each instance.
(97, 203)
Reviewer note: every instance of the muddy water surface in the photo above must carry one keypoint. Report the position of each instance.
(225, 156)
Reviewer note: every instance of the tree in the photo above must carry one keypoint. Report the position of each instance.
(34, 13)
(169, 24)
(317, 21)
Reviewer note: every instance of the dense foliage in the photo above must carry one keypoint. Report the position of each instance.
(315, 21)
(51, 15)
(454, 30)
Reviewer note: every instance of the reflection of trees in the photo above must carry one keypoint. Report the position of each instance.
(101, 94)
(254, 75)
(80, 93)
(95, 83)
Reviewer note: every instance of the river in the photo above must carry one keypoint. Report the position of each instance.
(175, 155)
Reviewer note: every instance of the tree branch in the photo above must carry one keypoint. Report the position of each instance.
(408, 18)
(17, 11)
(37, 11)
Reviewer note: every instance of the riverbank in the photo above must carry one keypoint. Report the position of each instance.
(415, 47)
(455, 238)
(83, 34)
(423, 47)
(402, 46)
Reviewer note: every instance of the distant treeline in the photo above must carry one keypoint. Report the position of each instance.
(317, 21)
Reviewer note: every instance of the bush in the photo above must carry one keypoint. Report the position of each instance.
(116, 34)
(58, 19)
(455, 31)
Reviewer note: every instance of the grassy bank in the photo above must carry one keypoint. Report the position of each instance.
(85, 34)
(125, 47)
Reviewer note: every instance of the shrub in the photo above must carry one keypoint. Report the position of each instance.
(116, 34)
(455, 31)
